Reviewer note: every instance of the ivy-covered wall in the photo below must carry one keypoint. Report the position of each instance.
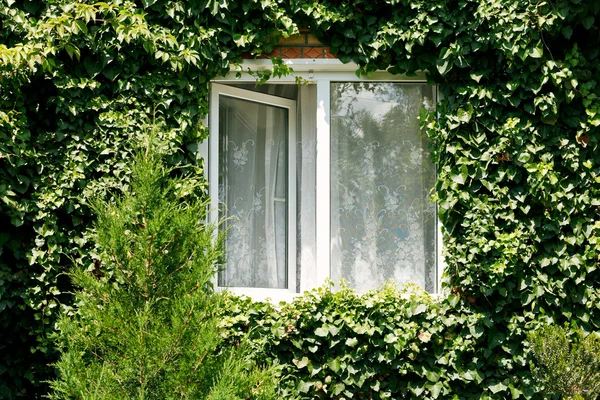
(515, 138)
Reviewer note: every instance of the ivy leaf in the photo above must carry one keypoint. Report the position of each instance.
(537, 52)
(91, 66)
(549, 119)
(321, 332)
(349, 33)
(424, 336)
(443, 66)
(111, 72)
(499, 387)
(515, 393)
(390, 338)
(304, 387)
(464, 115)
(432, 376)
(334, 330)
(240, 40)
(334, 365)
(476, 77)
(588, 21)
(303, 362)
(337, 388)
(436, 389)
(567, 31)
(375, 386)
(418, 308)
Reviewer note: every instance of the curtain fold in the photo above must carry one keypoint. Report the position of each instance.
(306, 174)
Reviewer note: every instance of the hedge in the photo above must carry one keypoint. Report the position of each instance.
(515, 138)
(386, 344)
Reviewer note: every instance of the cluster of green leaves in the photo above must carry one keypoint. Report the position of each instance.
(77, 81)
(565, 362)
(387, 344)
(515, 137)
(146, 322)
(517, 150)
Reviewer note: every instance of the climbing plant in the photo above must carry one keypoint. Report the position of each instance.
(386, 344)
(515, 138)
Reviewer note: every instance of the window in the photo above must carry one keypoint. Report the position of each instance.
(330, 179)
(256, 155)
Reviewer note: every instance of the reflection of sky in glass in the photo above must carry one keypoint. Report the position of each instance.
(367, 101)
(377, 103)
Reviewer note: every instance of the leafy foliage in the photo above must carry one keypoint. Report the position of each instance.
(387, 344)
(145, 325)
(515, 138)
(77, 80)
(566, 366)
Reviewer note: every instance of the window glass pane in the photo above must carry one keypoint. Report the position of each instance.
(383, 224)
(253, 190)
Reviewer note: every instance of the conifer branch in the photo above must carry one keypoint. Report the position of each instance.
(167, 356)
(111, 371)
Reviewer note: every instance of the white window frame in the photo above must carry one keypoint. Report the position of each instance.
(213, 176)
(321, 72)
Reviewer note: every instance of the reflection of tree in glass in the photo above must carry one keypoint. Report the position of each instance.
(381, 177)
(345, 95)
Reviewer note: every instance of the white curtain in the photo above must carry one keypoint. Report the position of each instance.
(383, 224)
(306, 189)
(253, 190)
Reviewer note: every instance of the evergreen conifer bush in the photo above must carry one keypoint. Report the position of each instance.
(146, 326)
(567, 367)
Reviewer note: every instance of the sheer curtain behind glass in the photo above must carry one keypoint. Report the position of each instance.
(306, 151)
(383, 224)
(253, 190)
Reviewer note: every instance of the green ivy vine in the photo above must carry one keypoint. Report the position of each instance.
(515, 137)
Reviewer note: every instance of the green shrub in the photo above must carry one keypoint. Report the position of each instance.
(566, 363)
(386, 344)
(146, 324)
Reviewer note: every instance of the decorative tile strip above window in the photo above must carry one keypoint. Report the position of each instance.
(303, 45)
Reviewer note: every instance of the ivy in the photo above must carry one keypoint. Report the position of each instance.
(387, 344)
(515, 138)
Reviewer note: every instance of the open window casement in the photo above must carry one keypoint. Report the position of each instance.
(330, 179)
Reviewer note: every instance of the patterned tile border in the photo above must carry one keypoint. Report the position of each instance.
(303, 45)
